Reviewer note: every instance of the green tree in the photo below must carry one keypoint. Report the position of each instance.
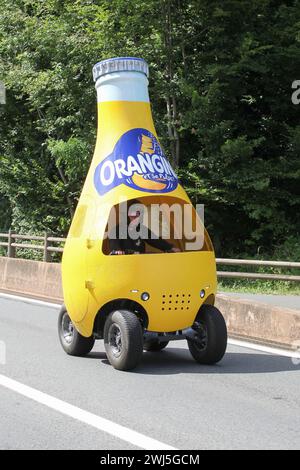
(220, 84)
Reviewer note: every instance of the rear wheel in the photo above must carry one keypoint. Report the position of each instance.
(155, 346)
(72, 342)
(210, 343)
(123, 339)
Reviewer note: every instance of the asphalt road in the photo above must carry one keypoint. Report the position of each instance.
(250, 400)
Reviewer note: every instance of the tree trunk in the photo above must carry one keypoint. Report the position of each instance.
(69, 200)
(170, 98)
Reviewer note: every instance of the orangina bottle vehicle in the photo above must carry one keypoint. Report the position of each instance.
(152, 292)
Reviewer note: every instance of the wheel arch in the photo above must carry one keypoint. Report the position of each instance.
(118, 304)
(210, 300)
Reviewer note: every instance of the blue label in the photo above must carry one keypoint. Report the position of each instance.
(137, 161)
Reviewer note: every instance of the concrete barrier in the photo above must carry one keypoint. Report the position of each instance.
(259, 322)
(31, 277)
(245, 319)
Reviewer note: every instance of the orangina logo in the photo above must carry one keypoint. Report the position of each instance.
(138, 162)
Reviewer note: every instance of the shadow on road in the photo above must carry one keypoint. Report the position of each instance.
(178, 360)
(96, 355)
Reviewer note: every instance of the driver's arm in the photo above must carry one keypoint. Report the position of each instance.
(158, 243)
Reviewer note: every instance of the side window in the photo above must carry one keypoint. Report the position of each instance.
(160, 223)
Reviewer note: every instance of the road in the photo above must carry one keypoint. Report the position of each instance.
(286, 301)
(250, 400)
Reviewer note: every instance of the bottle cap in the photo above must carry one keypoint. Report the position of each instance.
(120, 64)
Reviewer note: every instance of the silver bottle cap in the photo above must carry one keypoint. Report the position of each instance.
(120, 64)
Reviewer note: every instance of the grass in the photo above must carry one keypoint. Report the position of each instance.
(259, 287)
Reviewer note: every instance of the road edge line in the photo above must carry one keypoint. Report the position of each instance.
(28, 300)
(262, 348)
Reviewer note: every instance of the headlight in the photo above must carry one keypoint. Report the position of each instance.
(145, 296)
(202, 293)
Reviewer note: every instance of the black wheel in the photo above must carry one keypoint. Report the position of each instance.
(210, 343)
(72, 342)
(155, 346)
(123, 339)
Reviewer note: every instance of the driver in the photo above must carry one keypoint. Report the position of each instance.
(133, 245)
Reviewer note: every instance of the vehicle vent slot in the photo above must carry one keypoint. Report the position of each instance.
(175, 301)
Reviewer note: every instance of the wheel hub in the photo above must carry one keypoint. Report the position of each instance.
(201, 338)
(67, 329)
(115, 339)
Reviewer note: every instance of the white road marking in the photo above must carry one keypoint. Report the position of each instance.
(102, 424)
(28, 300)
(267, 349)
(233, 342)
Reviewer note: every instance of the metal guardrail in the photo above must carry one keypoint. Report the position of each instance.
(265, 276)
(47, 248)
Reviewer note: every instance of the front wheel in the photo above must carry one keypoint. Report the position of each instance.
(210, 343)
(71, 340)
(123, 339)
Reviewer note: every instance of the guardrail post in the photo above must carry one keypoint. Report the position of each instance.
(47, 254)
(11, 250)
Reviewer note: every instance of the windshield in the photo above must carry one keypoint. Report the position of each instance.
(154, 224)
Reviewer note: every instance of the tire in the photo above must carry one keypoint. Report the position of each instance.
(72, 342)
(155, 346)
(123, 339)
(211, 343)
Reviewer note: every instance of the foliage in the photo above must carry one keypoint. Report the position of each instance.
(221, 77)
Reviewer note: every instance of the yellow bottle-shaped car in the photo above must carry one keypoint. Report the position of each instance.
(138, 267)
